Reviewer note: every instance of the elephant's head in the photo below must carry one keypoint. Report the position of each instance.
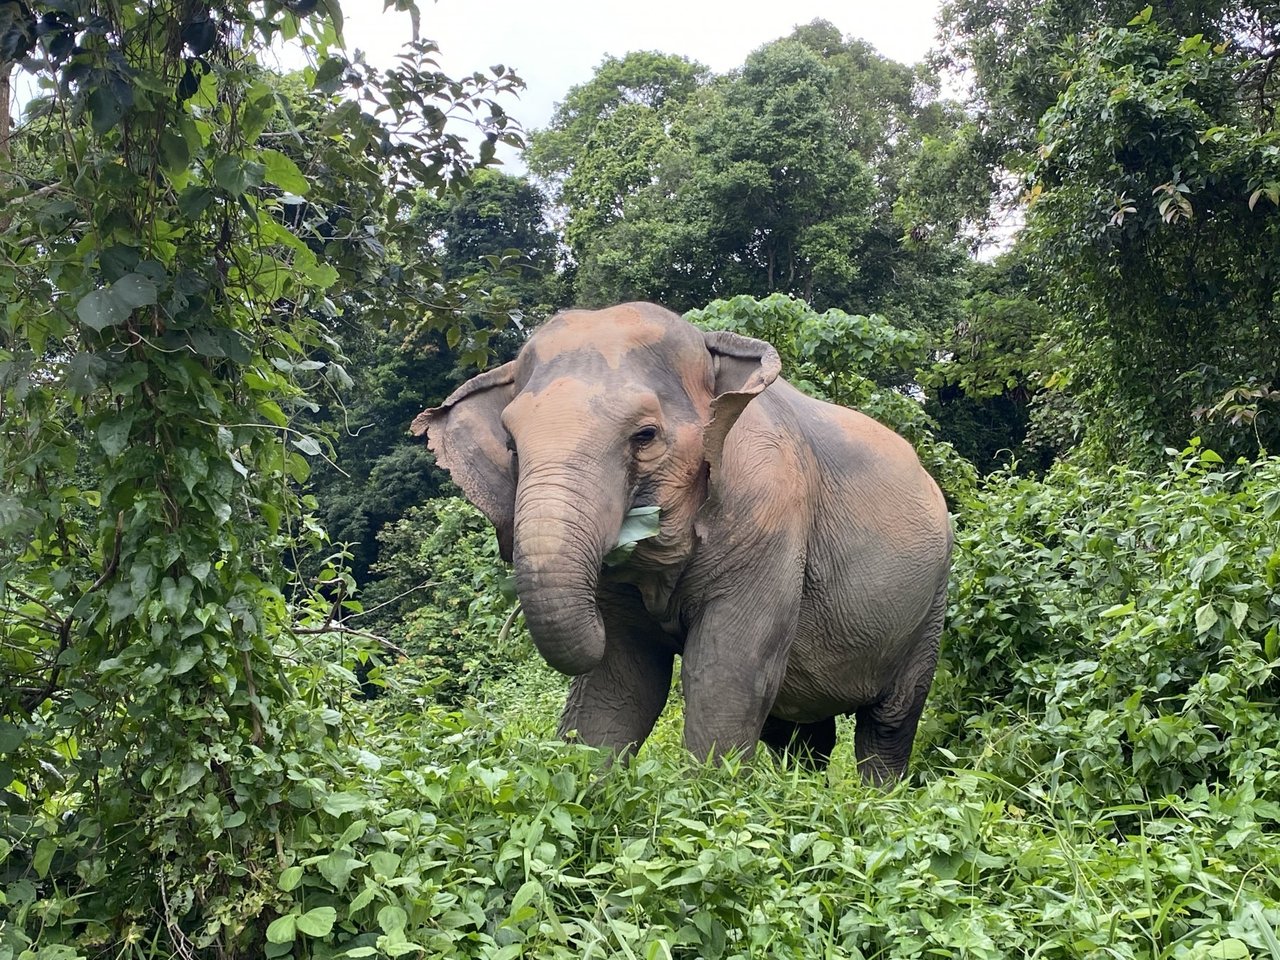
(601, 412)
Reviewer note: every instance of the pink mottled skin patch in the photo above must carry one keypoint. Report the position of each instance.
(626, 330)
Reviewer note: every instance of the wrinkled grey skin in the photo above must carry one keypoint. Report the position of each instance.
(801, 566)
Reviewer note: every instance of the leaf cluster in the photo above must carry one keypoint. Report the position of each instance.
(1125, 628)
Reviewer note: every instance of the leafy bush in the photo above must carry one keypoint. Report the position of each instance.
(1113, 637)
(442, 598)
(1096, 777)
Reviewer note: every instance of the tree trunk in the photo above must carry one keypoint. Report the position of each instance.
(6, 92)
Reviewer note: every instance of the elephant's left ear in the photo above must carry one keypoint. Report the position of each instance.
(743, 367)
(466, 435)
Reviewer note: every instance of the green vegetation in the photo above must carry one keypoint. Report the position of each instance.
(263, 690)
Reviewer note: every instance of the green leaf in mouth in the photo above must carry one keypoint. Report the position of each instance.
(641, 523)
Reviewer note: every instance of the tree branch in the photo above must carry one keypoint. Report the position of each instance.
(339, 628)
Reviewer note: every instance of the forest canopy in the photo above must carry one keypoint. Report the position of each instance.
(263, 689)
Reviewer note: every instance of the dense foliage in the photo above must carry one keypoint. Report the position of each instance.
(1157, 219)
(170, 275)
(1097, 773)
(1141, 147)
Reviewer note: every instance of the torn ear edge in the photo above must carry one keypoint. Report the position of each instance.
(744, 367)
(467, 437)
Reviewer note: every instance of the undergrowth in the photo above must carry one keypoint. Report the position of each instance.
(1096, 777)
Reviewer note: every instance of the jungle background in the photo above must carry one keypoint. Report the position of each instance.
(261, 690)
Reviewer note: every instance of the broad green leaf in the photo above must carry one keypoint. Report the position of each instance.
(283, 172)
(113, 433)
(283, 929)
(1238, 612)
(1229, 949)
(1206, 618)
(307, 445)
(398, 948)
(344, 802)
(363, 898)
(237, 175)
(640, 523)
(186, 658)
(392, 920)
(317, 922)
(176, 594)
(338, 867)
(529, 890)
(11, 735)
(1119, 610)
(194, 200)
(192, 773)
(1271, 644)
(175, 151)
(108, 102)
(356, 828)
(99, 310)
(134, 290)
(45, 849)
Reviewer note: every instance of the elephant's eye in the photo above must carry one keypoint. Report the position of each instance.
(511, 444)
(644, 436)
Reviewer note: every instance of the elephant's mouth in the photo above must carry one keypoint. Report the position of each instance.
(640, 523)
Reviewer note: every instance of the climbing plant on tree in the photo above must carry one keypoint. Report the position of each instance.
(177, 242)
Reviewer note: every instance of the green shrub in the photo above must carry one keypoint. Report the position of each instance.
(442, 598)
(1113, 636)
(461, 835)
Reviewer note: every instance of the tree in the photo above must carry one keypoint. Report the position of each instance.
(984, 390)
(171, 273)
(487, 237)
(1011, 50)
(1156, 225)
(491, 217)
(750, 191)
(650, 83)
(784, 175)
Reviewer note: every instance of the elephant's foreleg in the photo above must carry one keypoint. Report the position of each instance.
(884, 731)
(810, 743)
(733, 664)
(616, 704)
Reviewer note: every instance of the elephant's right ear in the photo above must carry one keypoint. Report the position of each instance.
(467, 437)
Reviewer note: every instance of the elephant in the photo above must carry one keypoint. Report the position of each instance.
(800, 565)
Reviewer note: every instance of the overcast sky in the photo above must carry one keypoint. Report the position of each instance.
(555, 44)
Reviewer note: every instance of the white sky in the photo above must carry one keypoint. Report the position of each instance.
(555, 44)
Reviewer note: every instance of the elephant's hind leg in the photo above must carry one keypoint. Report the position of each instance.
(810, 743)
(884, 731)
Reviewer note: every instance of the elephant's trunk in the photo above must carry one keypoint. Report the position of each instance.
(560, 541)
